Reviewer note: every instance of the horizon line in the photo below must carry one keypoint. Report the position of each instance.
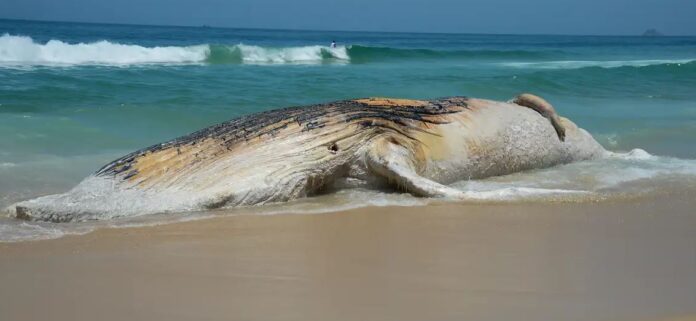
(328, 30)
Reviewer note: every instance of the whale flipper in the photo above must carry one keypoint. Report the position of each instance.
(544, 108)
(396, 163)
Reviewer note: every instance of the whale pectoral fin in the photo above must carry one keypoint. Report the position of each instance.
(544, 108)
(396, 164)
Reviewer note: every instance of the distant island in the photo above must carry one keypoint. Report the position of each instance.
(652, 33)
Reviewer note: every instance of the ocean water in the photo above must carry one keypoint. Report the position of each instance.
(76, 96)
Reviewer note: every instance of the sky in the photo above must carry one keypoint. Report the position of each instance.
(594, 17)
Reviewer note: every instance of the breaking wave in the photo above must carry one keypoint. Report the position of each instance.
(22, 50)
(248, 54)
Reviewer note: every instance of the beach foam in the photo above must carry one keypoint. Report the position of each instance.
(18, 231)
(602, 177)
(618, 175)
(7, 165)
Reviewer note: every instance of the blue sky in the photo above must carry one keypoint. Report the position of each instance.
(674, 17)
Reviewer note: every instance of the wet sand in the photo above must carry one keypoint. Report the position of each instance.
(612, 260)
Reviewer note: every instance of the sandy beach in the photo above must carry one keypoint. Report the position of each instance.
(611, 260)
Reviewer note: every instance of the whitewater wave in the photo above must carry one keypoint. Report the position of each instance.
(577, 64)
(249, 54)
(22, 50)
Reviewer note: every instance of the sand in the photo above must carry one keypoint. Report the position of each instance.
(610, 260)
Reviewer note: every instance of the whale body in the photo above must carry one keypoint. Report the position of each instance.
(417, 146)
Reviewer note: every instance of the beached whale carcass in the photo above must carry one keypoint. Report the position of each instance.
(414, 145)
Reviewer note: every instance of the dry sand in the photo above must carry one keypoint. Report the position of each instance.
(618, 260)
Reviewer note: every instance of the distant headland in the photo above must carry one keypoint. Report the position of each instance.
(652, 33)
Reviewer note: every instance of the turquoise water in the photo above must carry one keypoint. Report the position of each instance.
(75, 96)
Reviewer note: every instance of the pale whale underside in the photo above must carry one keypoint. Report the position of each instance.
(413, 145)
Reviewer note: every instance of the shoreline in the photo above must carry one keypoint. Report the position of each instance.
(606, 260)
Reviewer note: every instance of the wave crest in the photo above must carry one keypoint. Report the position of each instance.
(23, 50)
(264, 55)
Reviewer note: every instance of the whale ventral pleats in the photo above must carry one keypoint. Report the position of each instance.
(386, 113)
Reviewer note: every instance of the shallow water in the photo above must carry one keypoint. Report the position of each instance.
(75, 96)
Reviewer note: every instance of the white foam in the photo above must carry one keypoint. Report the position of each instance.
(635, 154)
(518, 193)
(7, 165)
(601, 176)
(622, 168)
(20, 50)
(344, 200)
(305, 54)
(576, 64)
(13, 231)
